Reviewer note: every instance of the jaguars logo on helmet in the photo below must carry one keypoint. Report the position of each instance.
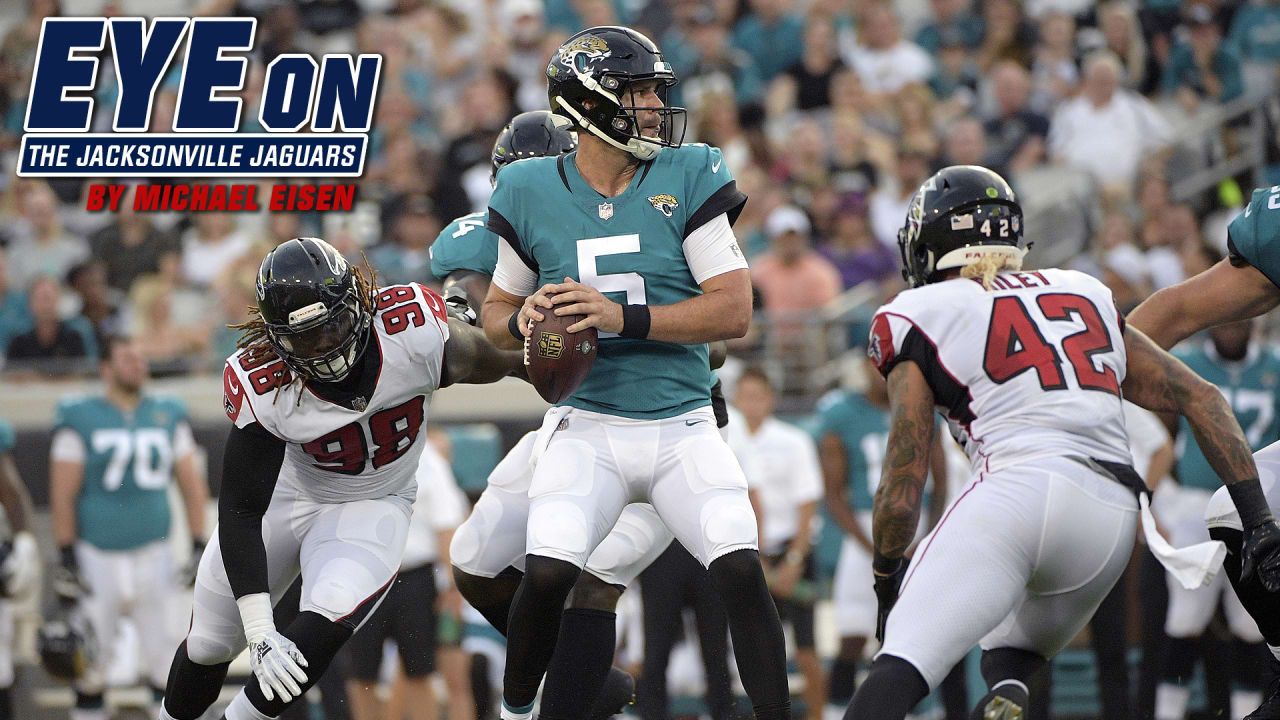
(603, 63)
(664, 203)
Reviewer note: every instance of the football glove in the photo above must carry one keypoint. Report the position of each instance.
(277, 663)
(888, 579)
(21, 567)
(1260, 553)
(458, 306)
(187, 573)
(68, 585)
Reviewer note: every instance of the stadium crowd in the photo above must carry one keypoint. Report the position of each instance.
(830, 114)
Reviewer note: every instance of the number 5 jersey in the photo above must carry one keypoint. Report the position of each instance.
(1031, 368)
(364, 443)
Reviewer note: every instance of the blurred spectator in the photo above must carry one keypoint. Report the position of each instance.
(1015, 134)
(966, 144)
(1107, 130)
(771, 35)
(715, 123)
(52, 347)
(171, 317)
(208, 246)
(882, 58)
(1123, 36)
(888, 207)
(100, 309)
(278, 33)
(915, 119)
(1255, 34)
(792, 276)
(956, 75)
(235, 292)
(17, 64)
(1007, 36)
(1201, 67)
(329, 16)
(853, 250)
(716, 65)
(131, 245)
(812, 74)
(525, 27)
(802, 163)
(405, 73)
(954, 18)
(1163, 239)
(15, 318)
(40, 245)
(406, 257)
(485, 108)
(1054, 74)
(1124, 266)
(1039, 9)
(855, 153)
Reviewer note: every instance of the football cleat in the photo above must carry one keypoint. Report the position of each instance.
(1270, 707)
(1008, 700)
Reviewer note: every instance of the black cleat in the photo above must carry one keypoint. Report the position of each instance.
(618, 692)
(1006, 701)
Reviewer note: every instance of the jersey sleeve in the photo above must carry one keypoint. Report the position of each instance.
(895, 337)
(430, 349)
(1249, 233)
(7, 437)
(235, 396)
(465, 244)
(713, 250)
(711, 188)
(507, 212)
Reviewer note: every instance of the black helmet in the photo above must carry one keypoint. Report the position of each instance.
(588, 78)
(538, 133)
(309, 301)
(960, 215)
(67, 646)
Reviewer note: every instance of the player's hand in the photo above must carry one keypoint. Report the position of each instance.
(785, 579)
(886, 587)
(1260, 553)
(574, 298)
(21, 567)
(458, 306)
(187, 573)
(530, 312)
(68, 585)
(277, 663)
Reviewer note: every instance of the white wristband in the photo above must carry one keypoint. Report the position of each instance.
(255, 615)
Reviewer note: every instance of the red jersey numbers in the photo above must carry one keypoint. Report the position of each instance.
(880, 345)
(392, 431)
(266, 373)
(400, 308)
(1015, 343)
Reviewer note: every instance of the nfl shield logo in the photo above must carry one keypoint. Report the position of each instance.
(359, 404)
(606, 211)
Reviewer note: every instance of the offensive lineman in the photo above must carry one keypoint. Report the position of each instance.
(1242, 286)
(328, 395)
(647, 227)
(112, 459)
(488, 549)
(1025, 555)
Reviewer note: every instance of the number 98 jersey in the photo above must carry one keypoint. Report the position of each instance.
(365, 444)
(1031, 368)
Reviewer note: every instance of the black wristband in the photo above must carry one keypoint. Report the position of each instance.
(635, 322)
(197, 548)
(513, 326)
(1250, 502)
(68, 555)
(884, 565)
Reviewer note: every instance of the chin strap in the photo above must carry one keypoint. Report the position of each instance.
(640, 149)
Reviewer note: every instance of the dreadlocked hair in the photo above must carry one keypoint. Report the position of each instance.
(988, 265)
(253, 332)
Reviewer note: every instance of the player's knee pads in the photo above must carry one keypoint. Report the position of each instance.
(738, 574)
(1221, 512)
(728, 523)
(346, 593)
(1008, 663)
(192, 686)
(550, 578)
(592, 593)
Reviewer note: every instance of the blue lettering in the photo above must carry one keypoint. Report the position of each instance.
(140, 63)
(56, 72)
(206, 71)
(347, 92)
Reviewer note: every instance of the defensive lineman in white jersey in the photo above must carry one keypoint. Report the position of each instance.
(1028, 369)
(328, 395)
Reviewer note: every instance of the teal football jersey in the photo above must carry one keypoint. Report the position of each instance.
(7, 437)
(863, 429)
(1251, 386)
(465, 244)
(128, 465)
(1253, 237)
(631, 248)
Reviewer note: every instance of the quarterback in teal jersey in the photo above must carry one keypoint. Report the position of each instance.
(19, 564)
(112, 460)
(634, 231)
(1242, 286)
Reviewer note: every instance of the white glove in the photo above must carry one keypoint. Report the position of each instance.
(21, 569)
(276, 661)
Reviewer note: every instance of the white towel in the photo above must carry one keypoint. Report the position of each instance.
(1195, 565)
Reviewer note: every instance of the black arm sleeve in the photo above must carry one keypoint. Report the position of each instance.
(250, 466)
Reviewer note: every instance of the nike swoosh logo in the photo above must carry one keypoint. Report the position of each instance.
(235, 389)
(715, 166)
(1248, 209)
(693, 422)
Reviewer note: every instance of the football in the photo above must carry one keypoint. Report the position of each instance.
(557, 360)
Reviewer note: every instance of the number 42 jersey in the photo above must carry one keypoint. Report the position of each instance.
(365, 444)
(1031, 368)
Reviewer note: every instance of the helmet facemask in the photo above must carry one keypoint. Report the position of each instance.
(322, 343)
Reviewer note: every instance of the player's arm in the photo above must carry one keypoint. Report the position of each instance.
(66, 476)
(195, 491)
(21, 569)
(470, 358)
(1222, 293)
(474, 284)
(14, 496)
(835, 468)
(896, 512)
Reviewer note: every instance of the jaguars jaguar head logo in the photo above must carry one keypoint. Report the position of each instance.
(550, 345)
(664, 203)
(581, 53)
